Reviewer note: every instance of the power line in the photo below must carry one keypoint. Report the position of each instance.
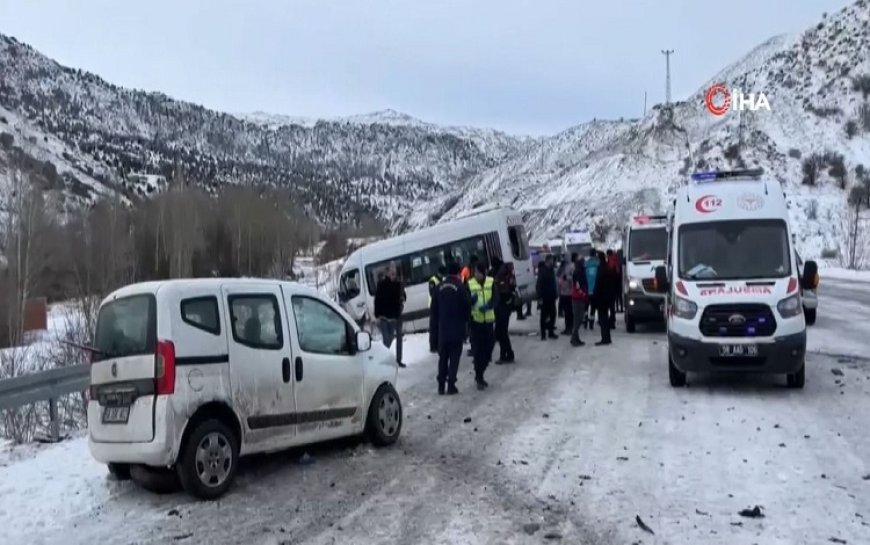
(667, 53)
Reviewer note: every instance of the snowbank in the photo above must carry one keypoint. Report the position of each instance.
(837, 273)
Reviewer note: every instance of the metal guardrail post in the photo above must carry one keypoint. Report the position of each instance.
(54, 423)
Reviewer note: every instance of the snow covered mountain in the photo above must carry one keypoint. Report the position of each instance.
(83, 137)
(602, 172)
(91, 137)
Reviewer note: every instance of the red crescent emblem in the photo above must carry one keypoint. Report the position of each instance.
(710, 99)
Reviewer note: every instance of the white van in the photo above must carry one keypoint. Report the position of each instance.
(418, 255)
(732, 280)
(577, 241)
(646, 247)
(192, 374)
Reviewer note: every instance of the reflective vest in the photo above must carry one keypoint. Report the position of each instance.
(433, 283)
(484, 297)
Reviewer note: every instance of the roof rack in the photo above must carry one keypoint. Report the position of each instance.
(716, 175)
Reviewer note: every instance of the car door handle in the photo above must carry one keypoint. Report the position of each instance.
(298, 369)
(285, 369)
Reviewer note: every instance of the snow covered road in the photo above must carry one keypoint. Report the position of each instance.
(568, 445)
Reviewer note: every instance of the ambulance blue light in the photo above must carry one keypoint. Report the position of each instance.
(712, 176)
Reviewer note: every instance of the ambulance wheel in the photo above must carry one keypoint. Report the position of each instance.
(810, 315)
(677, 377)
(797, 380)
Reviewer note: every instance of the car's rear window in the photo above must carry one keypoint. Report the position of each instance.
(126, 327)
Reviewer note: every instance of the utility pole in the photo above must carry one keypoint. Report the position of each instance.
(542, 153)
(644, 103)
(667, 53)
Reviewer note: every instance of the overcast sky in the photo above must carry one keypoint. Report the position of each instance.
(533, 67)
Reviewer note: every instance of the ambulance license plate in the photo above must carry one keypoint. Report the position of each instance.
(738, 350)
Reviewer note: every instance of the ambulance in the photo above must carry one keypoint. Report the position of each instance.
(731, 281)
(645, 248)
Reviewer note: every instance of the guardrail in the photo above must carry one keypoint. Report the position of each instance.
(52, 384)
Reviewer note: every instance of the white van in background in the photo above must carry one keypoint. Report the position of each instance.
(188, 375)
(732, 280)
(645, 248)
(577, 241)
(418, 255)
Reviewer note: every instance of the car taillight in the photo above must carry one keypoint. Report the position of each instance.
(165, 371)
(792, 285)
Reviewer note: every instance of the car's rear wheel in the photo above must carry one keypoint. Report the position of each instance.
(796, 380)
(154, 479)
(677, 377)
(120, 472)
(384, 421)
(810, 315)
(209, 459)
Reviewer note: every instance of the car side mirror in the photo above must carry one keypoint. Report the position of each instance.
(810, 278)
(661, 278)
(363, 341)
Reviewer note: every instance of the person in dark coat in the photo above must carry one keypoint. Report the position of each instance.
(389, 303)
(548, 293)
(451, 307)
(505, 301)
(436, 279)
(606, 285)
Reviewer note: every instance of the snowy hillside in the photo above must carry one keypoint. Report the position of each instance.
(604, 171)
(91, 136)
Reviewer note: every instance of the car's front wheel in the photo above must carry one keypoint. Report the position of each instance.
(208, 463)
(810, 315)
(384, 421)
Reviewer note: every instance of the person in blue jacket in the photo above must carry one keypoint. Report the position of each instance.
(451, 309)
(592, 265)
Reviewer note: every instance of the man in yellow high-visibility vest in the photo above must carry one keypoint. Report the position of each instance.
(436, 279)
(482, 322)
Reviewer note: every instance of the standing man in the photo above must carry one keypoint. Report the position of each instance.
(566, 283)
(592, 266)
(481, 288)
(602, 299)
(613, 270)
(389, 302)
(505, 300)
(451, 306)
(620, 300)
(547, 293)
(579, 300)
(436, 279)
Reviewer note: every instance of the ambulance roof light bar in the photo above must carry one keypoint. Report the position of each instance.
(718, 175)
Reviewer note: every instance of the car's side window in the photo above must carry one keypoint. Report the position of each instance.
(321, 329)
(202, 313)
(256, 320)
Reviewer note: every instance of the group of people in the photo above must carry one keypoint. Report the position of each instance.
(474, 303)
(471, 303)
(582, 288)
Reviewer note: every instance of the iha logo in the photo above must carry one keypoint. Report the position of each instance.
(719, 100)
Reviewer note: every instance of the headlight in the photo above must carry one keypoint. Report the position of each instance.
(683, 308)
(790, 306)
(633, 284)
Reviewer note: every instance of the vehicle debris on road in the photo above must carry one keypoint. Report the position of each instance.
(755, 512)
(643, 526)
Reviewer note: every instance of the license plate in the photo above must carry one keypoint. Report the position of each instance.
(116, 415)
(738, 350)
